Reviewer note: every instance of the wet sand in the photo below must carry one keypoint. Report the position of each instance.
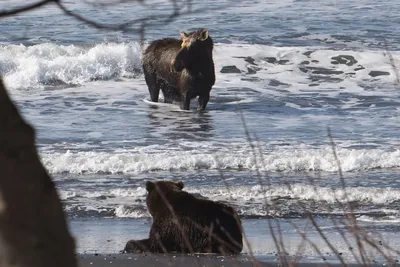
(99, 242)
(125, 260)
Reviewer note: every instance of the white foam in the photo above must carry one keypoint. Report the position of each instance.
(66, 194)
(167, 106)
(291, 74)
(259, 194)
(387, 219)
(157, 158)
(123, 211)
(249, 200)
(27, 67)
(135, 193)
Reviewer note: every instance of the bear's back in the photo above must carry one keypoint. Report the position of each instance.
(186, 204)
(210, 226)
(208, 214)
(159, 47)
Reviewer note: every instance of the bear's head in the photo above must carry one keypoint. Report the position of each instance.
(195, 45)
(196, 39)
(164, 186)
(159, 194)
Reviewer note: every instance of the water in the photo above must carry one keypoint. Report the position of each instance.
(300, 67)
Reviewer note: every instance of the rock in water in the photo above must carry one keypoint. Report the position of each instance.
(376, 73)
(33, 228)
(230, 69)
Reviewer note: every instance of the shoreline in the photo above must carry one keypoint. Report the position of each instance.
(203, 260)
(99, 242)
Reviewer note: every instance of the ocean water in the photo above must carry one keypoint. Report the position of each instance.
(286, 71)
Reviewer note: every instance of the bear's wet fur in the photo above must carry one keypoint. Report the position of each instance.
(181, 68)
(184, 223)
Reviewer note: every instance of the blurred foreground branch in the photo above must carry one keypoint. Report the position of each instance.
(393, 64)
(15, 11)
(134, 25)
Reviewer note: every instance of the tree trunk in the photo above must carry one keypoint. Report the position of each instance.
(33, 228)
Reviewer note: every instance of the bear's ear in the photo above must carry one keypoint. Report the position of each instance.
(203, 35)
(184, 34)
(180, 185)
(149, 186)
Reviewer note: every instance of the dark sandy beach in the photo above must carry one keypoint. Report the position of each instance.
(121, 260)
(99, 241)
(125, 260)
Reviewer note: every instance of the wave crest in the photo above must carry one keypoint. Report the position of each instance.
(296, 200)
(25, 67)
(278, 161)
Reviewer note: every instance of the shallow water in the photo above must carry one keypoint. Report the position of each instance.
(286, 70)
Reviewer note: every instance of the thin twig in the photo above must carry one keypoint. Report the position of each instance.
(333, 249)
(342, 234)
(282, 258)
(301, 245)
(111, 3)
(12, 12)
(392, 63)
(159, 19)
(315, 247)
(350, 215)
(246, 240)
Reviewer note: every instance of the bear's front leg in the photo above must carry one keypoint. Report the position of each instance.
(137, 246)
(203, 100)
(185, 101)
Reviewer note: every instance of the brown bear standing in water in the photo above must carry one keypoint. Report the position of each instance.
(182, 69)
(187, 224)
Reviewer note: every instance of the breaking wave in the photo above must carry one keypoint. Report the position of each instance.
(296, 200)
(25, 67)
(277, 160)
(48, 64)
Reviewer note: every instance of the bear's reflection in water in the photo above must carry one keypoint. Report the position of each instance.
(173, 124)
(183, 222)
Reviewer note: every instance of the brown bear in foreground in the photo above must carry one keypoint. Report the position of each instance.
(187, 224)
(182, 69)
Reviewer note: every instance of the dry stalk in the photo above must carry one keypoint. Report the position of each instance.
(246, 240)
(304, 236)
(392, 63)
(282, 258)
(342, 234)
(358, 232)
(375, 246)
(281, 243)
(350, 215)
(320, 232)
(301, 245)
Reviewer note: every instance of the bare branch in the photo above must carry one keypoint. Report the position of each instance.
(9, 13)
(127, 26)
(91, 22)
(96, 3)
(333, 249)
(392, 63)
